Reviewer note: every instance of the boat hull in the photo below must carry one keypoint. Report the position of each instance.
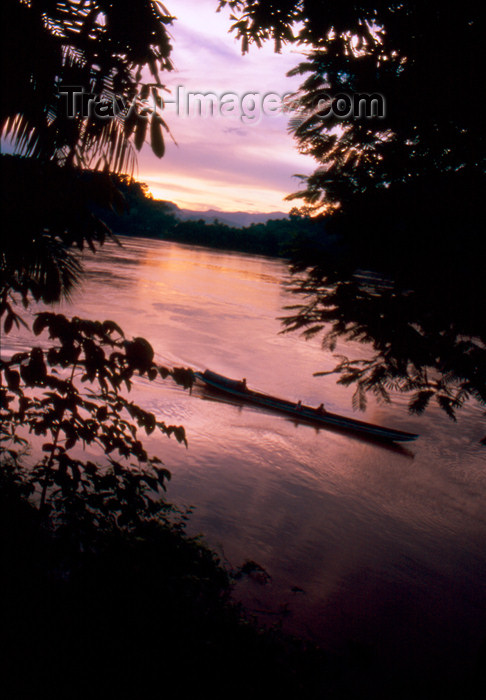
(238, 389)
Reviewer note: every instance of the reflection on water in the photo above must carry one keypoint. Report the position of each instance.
(389, 551)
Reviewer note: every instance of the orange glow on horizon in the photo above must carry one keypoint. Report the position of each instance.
(202, 195)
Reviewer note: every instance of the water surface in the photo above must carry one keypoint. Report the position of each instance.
(386, 549)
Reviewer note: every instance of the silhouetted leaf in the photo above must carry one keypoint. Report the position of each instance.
(421, 401)
(156, 137)
(140, 132)
(13, 379)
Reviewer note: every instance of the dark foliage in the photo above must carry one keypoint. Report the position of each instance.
(49, 213)
(417, 301)
(52, 197)
(399, 266)
(142, 609)
(274, 238)
(98, 45)
(68, 394)
(425, 59)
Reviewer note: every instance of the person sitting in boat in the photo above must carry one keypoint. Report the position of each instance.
(321, 409)
(299, 405)
(243, 384)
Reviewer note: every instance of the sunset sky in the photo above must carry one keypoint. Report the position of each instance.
(220, 161)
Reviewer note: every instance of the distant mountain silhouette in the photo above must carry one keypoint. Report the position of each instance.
(230, 218)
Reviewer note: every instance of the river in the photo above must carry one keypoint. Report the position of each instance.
(363, 544)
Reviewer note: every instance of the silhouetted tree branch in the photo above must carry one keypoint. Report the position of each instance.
(398, 264)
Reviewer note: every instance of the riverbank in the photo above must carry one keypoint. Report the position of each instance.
(132, 611)
(151, 218)
(150, 610)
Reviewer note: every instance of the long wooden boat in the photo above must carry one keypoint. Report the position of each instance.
(239, 389)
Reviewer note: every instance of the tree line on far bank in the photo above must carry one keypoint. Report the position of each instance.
(152, 218)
